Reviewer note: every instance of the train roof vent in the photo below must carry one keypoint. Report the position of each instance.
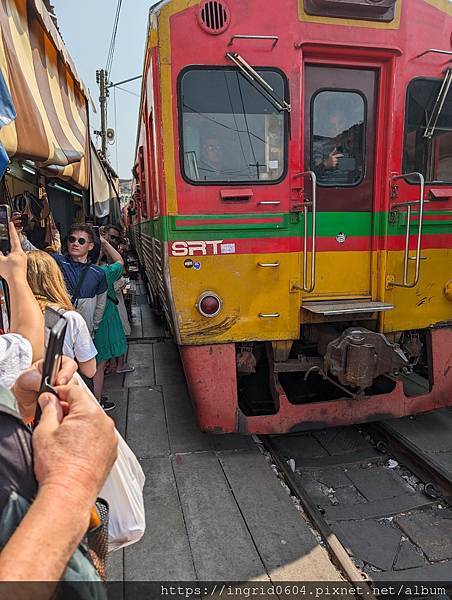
(214, 16)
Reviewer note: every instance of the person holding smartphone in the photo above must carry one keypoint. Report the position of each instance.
(56, 474)
(85, 281)
(24, 343)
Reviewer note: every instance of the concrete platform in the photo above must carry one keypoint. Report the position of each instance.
(430, 432)
(215, 510)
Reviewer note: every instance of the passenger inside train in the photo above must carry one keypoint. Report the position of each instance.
(338, 137)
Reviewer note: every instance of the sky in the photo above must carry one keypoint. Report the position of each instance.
(86, 27)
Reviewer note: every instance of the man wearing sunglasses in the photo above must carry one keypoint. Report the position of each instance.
(114, 235)
(86, 282)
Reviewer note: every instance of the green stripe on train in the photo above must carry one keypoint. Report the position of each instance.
(329, 224)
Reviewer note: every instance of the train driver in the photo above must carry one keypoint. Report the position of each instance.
(212, 161)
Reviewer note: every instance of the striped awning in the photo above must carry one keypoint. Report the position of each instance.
(51, 127)
(104, 187)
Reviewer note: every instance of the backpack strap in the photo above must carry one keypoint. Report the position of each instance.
(80, 281)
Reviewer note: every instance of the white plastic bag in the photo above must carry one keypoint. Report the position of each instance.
(123, 491)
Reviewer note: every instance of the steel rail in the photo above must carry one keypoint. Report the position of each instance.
(409, 455)
(337, 550)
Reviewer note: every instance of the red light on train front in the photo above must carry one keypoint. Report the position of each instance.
(209, 304)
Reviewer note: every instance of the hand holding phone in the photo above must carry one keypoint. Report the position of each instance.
(5, 218)
(56, 325)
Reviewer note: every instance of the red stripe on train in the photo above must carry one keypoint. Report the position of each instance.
(295, 244)
(250, 221)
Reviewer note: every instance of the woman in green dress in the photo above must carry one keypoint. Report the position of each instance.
(109, 339)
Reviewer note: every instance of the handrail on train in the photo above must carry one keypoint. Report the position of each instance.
(306, 204)
(417, 258)
(434, 51)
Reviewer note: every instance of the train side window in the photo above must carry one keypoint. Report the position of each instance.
(338, 137)
(142, 177)
(431, 156)
(152, 183)
(230, 131)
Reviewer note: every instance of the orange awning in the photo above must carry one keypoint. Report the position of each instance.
(51, 127)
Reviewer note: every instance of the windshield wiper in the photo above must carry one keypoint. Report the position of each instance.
(260, 83)
(439, 104)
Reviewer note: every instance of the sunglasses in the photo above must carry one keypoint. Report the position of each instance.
(115, 238)
(81, 241)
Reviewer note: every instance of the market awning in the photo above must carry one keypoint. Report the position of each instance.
(51, 127)
(104, 189)
(7, 116)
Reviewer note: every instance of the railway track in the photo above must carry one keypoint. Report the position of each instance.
(436, 478)
(380, 496)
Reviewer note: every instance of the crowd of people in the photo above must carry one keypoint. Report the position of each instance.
(85, 283)
(60, 482)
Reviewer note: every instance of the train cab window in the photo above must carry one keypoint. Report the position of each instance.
(373, 10)
(429, 154)
(230, 130)
(338, 137)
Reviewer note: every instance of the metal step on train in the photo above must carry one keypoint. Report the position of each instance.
(363, 309)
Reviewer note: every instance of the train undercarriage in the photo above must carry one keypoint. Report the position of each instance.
(335, 374)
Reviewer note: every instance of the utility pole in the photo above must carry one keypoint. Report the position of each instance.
(102, 81)
(104, 88)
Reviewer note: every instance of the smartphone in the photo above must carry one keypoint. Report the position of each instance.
(4, 307)
(24, 219)
(55, 325)
(5, 218)
(96, 230)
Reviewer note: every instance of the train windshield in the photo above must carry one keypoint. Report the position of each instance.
(230, 131)
(431, 156)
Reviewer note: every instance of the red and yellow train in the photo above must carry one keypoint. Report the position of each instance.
(294, 206)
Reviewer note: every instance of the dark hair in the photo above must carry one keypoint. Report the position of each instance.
(115, 227)
(81, 227)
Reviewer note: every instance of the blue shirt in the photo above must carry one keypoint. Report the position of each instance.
(95, 282)
(92, 296)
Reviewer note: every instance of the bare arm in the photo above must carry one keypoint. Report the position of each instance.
(26, 317)
(46, 538)
(88, 368)
(27, 246)
(69, 480)
(111, 252)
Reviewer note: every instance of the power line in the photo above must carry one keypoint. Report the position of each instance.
(116, 132)
(111, 51)
(127, 91)
(113, 37)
